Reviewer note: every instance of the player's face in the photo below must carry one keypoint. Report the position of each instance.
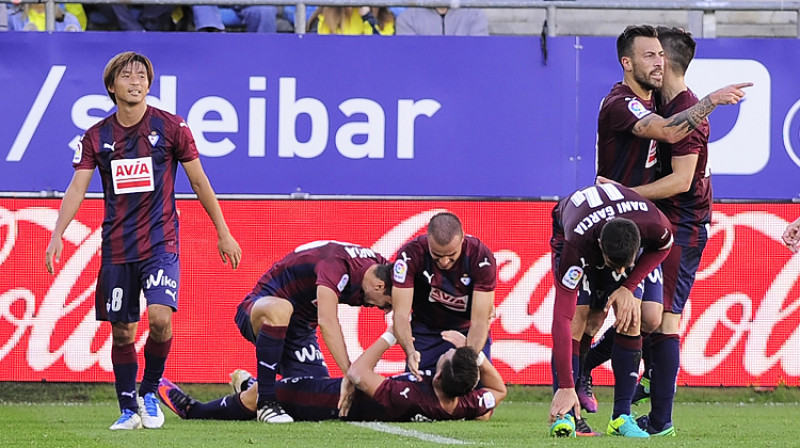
(447, 355)
(445, 256)
(375, 292)
(648, 62)
(618, 269)
(131, 85)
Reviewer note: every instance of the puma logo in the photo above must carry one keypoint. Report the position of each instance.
(484, 263)
(404, 393)
(131, 394)
(269, 366)
(171, 294)
(428, 276)
(109, 145)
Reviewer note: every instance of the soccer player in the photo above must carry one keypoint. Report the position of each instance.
(449, 394)
(137, 151)
(627, 153)
(791, 236)
(683, 193)
(299, 292)
(448, 280)
(597, 234)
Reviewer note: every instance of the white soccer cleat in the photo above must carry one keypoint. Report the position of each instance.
(129, 420)
(241, 380)
(150, 411)
(272, 412)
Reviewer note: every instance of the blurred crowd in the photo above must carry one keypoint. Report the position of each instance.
(255, 19)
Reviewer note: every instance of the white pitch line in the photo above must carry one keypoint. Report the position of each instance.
(382, 427)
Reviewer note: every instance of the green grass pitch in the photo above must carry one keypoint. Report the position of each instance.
(78, 415)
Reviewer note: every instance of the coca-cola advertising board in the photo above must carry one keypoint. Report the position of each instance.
(740, 328)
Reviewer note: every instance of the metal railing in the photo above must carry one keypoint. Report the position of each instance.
(702, 14)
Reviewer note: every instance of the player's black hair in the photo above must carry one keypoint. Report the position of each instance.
(460, 373)
(384, 272)
(679, 47)
(443, 227)
(620, 242)
(118, 63)
(625, 40)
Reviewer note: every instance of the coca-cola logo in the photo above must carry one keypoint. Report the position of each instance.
(740, 327)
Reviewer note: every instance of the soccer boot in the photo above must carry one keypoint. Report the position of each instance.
(642, 393)
(150, 411)
(176, 400)
(646, 425)
(563, 427)
(582, 429)
(585, 394)
(272, 412)
(625, 426)
(241, 380)
(127, 421)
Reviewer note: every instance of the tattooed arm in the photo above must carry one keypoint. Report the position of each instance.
(678, 126)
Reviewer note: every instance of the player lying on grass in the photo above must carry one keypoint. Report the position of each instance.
(449, 394)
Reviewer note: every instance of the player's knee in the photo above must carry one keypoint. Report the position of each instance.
(272, 311)
(651, 317)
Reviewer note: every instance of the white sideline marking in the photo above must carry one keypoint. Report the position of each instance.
(382, 427)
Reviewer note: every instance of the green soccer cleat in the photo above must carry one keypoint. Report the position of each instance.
(646, 425)
(625, 426)
(642, 393)
(563, 427)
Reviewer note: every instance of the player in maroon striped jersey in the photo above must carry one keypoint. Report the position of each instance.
(448, 394)
(443, 280)
(137, 151)
(299, 292)
(597, 229)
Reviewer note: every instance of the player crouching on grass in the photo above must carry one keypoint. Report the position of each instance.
(450, 394)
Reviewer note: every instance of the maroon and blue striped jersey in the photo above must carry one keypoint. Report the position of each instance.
(137, 166)
(691, 209)
(443, 299)
(622, 156)
(338, 266)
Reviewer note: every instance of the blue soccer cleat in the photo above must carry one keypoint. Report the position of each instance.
(563, 427)
(625, 426)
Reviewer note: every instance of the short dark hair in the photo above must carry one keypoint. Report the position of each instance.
(384, 272)
(679, 47)
(460, 373)
(118, 63)
(443, 227)
(620, 242)
(625, 40)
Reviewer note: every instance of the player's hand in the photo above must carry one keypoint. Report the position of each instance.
(413, 364)
(454, 337)
(791, 236)
(228, 247)
(730, 94)
(53, 253)
(564, 400)
(604, 180)
(627, 309)
(346, 393)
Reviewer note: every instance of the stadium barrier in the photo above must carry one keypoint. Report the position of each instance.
(739, 329)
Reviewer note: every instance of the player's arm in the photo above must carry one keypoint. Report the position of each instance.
(226, 244)
(678, 126)
(482, 304)
(677, 182)
(402, 299)
(70, 204)
(362, 371)
(328, 318)
(565, 398)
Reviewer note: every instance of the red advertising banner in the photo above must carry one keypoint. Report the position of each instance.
(740, 328)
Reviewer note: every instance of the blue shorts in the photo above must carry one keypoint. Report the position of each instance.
(680, 268)
(301, 354)
(430, 345)
(119, 287)
(309, 398)
(598, 284)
